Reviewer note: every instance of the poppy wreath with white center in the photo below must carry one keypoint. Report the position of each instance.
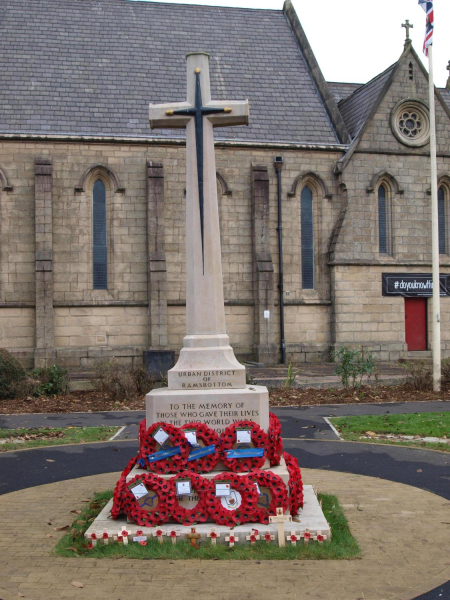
(245, 513)
(278, 490)
(199, 513)
(209, 437)
(295, 484)
(162, 511)
(173, 464)
(120, 486)
(275, 449)
(259, 439)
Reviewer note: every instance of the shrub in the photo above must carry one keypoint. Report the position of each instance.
(419, 374)
(11, 373)
(353, 365)
(121, 382)
(50, 381)
(445, 370)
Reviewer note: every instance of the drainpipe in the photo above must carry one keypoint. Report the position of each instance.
(278, 164)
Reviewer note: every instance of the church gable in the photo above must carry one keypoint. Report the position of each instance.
(401, 121)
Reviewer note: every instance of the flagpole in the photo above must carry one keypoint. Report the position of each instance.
(434, 234)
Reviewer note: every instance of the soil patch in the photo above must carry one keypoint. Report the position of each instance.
(92, 401)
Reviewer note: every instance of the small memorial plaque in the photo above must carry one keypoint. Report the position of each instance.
(160, 436)
(223, 488)
(184, 487)
(191, 436)
(243, 436)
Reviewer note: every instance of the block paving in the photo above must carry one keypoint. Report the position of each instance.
(403, 533)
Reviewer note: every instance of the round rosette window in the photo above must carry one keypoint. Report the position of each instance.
(232, 499)
(158, 447)
(149, 500)
(410, 122)
(241, 436)
(272, 493)
(190, 487)
(295, 484)
(119, 489)
(275, 449)
(202, 439)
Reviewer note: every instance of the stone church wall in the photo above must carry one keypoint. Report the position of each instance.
(46, 239)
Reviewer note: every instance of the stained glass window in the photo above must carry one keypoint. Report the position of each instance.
(307, 238)
(99, 250)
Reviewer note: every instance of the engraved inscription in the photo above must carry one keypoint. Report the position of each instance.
(199, 380)
(217, 415)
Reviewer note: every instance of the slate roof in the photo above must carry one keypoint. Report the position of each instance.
(92, 67)
(342, 90)
(356, 108)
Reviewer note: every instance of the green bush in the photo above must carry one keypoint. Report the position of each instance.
(353, 365)
(11, 374)
(50, 381)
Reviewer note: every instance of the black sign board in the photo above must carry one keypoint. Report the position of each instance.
(413, 285)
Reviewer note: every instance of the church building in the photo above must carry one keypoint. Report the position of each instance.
(92, 201)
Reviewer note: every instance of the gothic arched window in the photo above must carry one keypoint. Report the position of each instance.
(99, 237)
(442, 214)
(384, 220)
(307, 238)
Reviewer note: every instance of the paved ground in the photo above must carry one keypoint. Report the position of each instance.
(397, 501)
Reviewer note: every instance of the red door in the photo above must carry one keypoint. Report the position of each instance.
(416, 323)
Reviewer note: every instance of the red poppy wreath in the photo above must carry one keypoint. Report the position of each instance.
(275, 449)
(149, 446)
(120, 486)
(209, 437)
(295, 484)
(142, 431)
(151, 508)
(267, 504)
(259, 439)
(236, 508)
(201, 487)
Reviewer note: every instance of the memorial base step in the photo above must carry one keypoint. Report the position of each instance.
(310, 518)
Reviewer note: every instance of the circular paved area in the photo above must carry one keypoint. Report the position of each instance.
(403, 533)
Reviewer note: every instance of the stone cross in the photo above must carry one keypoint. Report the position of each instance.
(407, 26)
(231, 539)
(213, 535)
(280, 519)
(199, 115)
(206, 345)
(193, 537)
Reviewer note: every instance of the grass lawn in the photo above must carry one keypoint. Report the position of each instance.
(342, 545)
(419, 424)
(16, 439)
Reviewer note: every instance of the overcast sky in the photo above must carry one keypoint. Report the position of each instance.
(355, 40)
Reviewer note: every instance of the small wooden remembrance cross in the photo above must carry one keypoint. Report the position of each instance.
(407, 26)
(199, 115)
(193, 537)
(280, 519)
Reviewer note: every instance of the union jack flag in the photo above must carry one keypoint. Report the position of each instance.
(429, 27)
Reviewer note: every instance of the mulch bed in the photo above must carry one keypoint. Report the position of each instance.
(91, 401)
